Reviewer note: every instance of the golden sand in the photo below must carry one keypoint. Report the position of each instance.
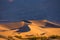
(36, 30)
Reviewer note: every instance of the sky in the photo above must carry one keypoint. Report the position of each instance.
(16, 10)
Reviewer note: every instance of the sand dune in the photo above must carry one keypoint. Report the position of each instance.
(35, 26)
(12, 25)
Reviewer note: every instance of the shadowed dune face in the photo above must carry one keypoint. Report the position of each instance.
(25, 28)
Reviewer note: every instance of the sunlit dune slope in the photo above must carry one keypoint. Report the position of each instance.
(12, 25)
(2, 27)
(52, 31)
(37, 30)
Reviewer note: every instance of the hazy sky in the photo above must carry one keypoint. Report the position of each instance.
(16, 10)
